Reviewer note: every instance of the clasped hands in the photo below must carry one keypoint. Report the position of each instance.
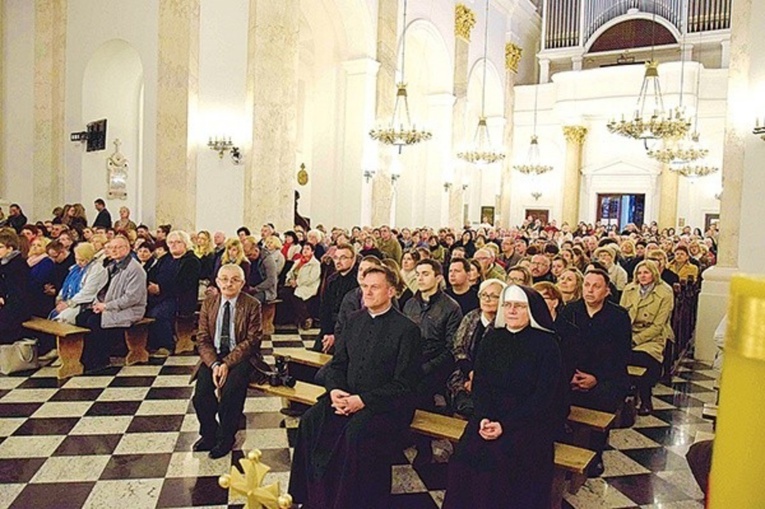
(583, 382)
(345, 403)
(489, 430)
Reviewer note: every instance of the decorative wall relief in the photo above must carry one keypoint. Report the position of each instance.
(117, 167)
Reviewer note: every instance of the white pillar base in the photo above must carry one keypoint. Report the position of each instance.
(713, 303)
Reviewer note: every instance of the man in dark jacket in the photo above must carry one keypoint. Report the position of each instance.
(438, 317)
(262, 279)
(600, 380)
(16, 218)
(172, 290)
(338, 285)
(104, 218)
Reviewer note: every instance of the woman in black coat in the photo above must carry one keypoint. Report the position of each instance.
(505, 457)
(14, 288)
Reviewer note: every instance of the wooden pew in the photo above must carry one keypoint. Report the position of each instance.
(136, 338)
(70, 340)
(568, 458)
(586, 420)
(268, 313)
(185, 327)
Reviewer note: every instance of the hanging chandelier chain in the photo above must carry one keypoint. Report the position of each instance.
(403, 46)
(485, 46)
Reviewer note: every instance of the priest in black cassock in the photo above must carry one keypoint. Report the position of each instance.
(346, 442)
(505, 457)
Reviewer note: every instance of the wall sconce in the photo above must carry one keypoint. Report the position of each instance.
(220, 145)
(394, 178)
(447, 186)
(369, 175)
(536, 195)
(465, 186)
(759, 130)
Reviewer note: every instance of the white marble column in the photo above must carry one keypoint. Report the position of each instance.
(177, 98)
(3, 191)
(272, 61)
(668, 199)
(48, 168)
(358, 148)
(512, 59)
(464, 21)
(575, 136)
(430, 189)
(544, 71)
(387, 55)
(741, 206)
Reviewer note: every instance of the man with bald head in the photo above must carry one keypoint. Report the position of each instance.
(228, 341)
(119, 304)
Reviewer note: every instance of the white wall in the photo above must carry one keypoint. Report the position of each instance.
(18, 103)
(91, 23)
(111, 89)
(222, 98)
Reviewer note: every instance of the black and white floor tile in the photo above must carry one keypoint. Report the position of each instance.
(123, 438)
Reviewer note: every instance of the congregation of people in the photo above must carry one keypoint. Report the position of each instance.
(505, 328)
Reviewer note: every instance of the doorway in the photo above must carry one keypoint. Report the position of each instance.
(620, 209)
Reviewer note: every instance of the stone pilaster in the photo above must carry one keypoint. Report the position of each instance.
(575, 136)
(512, 59)
(272, 62)
(387, 53)
(668, 198)
(2, 99)
(49, 94)
(177, 98)
(462, 29)
(743, 81)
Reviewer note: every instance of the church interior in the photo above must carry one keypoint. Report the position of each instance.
(455, 114)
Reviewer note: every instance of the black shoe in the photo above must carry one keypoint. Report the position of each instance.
(203, 445)
(596, 468)
(219, 450)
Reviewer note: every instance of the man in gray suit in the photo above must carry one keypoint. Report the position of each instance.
(119, 304)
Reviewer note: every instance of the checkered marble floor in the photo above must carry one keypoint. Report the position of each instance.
(123, 438)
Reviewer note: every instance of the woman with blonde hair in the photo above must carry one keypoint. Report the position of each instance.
(649, 302)
(204, 249)
(86, 277)
(232, 253)
(570, 284)
(124, 223)
(274, 246)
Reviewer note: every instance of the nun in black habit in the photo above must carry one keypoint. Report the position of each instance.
(505, 457)
(344, 453)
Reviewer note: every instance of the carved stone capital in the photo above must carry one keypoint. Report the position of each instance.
(575, 133)
(512, 56)
(464, 21)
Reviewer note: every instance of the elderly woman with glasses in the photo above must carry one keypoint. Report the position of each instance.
(505, 455)
(473, 328)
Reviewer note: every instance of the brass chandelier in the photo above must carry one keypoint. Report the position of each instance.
(660, 124)
(400, 130)
(533, 164)
(482, 152)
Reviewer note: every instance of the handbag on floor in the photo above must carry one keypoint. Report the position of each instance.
(18, 356)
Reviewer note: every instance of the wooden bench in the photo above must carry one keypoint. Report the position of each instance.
(303, 356)
(585, 418)
(268, 312)
(70, 341)
(185, 328)
(136, 338)
(568, 458)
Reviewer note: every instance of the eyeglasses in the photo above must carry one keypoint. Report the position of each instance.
(515, 305)
(235, 280)
(488, 297)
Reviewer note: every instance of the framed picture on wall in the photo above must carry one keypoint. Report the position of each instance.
(487, 215)
(710, 219)
(542, 214)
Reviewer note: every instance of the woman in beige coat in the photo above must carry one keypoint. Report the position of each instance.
(649, 302)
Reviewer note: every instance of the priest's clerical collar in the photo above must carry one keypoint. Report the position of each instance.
(375, 315)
